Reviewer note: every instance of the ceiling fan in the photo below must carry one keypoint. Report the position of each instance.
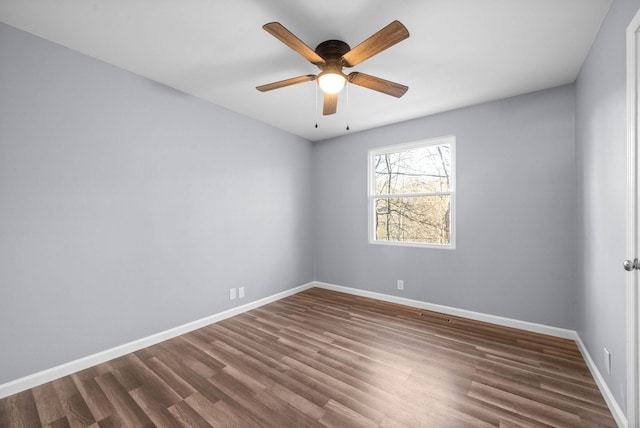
(332, 55)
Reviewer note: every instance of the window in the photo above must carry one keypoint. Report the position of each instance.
(412, 194)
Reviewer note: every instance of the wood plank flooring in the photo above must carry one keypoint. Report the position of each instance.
(321, 358)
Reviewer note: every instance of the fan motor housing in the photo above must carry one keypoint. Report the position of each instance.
(332, 51)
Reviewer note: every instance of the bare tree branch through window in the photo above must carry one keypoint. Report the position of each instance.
(412, 193)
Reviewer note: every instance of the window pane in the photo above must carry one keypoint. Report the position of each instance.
(421, 219)
(419, 170)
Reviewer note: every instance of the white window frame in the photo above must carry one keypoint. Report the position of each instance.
(371, 190)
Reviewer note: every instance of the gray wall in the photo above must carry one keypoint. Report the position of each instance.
(601, 177)
(127, 208)
(515, 185)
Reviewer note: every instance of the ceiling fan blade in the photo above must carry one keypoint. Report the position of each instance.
(287, 82)
(330, 104)
(278, 31)
(383, 39)
(377, 84)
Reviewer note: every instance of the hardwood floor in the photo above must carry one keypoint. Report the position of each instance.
(321, 358)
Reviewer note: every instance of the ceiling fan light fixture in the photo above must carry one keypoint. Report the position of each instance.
(331, 82)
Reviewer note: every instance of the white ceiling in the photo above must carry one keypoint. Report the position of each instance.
(460, 52)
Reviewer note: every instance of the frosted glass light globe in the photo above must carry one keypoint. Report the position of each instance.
(331, 83)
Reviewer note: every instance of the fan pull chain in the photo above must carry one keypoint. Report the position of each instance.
(316, 106)
(347, 107)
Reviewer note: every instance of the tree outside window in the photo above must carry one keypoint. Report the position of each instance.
(412, 193)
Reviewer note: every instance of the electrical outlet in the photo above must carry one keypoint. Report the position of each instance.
(607, 361)
(241, 293)
(232, 294)
(400, 284)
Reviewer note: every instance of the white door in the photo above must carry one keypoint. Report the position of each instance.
(631, 264)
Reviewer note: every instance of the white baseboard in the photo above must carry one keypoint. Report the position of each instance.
(615, 409)
(478, 316)
(44, 376)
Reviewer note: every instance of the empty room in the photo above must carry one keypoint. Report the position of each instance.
(342, 214)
